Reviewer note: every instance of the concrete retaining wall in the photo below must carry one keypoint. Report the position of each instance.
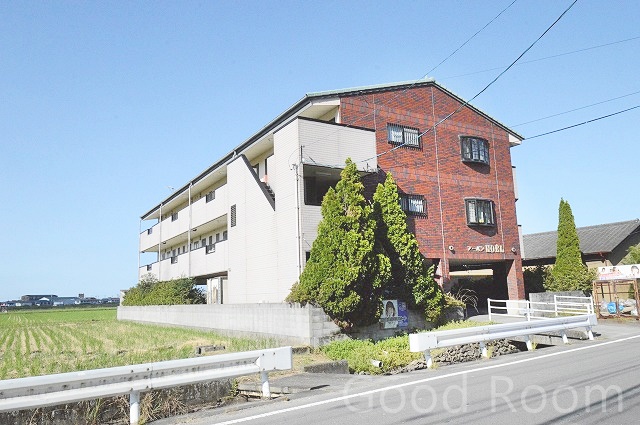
(286, 323)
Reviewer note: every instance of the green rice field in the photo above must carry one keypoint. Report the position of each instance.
(50, 341)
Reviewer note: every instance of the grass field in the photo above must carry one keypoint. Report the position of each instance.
(36, 342)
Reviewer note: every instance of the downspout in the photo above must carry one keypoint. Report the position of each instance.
(298, 232)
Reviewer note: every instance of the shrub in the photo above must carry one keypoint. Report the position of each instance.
(171, 292)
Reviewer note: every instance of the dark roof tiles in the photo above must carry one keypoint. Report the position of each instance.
(593, 239)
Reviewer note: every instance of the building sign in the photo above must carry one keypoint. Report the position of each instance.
(394, 314)
(631, 271)
(486, 248)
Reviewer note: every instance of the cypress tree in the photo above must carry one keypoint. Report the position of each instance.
(344, 274)
(411, 279)
(568, 273)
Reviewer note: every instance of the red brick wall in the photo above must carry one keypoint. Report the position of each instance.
(437, 172)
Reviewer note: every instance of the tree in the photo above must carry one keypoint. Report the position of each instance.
(411, 279)
(568, 273)
(345, 275)
(633, 256)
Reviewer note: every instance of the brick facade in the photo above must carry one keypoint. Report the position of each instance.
(436, 171)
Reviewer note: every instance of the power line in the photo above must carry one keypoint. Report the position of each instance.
(502, 73)
(356, 120)
(576, 109)
(470, 38)
(481, 91)
(583, 123)
(545, 58)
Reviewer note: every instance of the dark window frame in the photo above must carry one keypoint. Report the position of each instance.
(409, 138)
(474, 149)
(483, 212)
(210, 196)
(406, 204)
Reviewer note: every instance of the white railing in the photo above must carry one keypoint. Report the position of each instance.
(51, 390)
(530, 310)
(426, 341)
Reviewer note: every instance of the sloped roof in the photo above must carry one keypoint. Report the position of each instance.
(309, 97)
(602, 238)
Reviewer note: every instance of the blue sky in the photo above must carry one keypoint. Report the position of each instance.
(104, 105)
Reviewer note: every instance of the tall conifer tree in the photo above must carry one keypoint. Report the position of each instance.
(412, 280)
(344, 274)
(568, 273)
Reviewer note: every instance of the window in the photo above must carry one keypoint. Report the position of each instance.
(211, 196)
(149, 230)
(413, 204)
(480, 212)
(475, 149)
(210, 240)
(224, 235)
(149, 267)
(210, 249)
(174, 260)
(405, 136)
(233, 215)
(174, 216)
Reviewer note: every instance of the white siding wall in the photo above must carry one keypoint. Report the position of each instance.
(286, 148)
(330, 144)
(252, 255)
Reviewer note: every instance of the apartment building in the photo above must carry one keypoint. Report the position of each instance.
(245, 225)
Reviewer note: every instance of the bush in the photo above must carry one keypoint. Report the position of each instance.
(392, 352)
(150, 291)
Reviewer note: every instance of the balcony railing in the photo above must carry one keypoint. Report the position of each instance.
(210, 207)
(212, 259)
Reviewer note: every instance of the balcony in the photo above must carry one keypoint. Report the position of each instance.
(203, 211)
(209, 260)
(338, 143)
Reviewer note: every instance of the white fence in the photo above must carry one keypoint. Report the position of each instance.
(426, 341)
(51, 390)
(561, 306)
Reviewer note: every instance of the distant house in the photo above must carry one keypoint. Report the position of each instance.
(62, 301)
(36, 297)
(601, 245)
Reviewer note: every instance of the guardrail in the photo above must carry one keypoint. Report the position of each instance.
(540, 310)
(51, 390)
(426, 341)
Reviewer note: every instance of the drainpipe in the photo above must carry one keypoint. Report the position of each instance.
(297, 169)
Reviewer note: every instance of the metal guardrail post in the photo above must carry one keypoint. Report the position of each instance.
(266, 389)
(555, 305)
(428, 359)
(134, 407)
(483, 349)
(529, 343)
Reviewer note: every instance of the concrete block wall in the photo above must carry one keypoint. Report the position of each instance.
(284, 322)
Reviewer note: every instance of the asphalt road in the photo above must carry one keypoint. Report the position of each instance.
(588, 382)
